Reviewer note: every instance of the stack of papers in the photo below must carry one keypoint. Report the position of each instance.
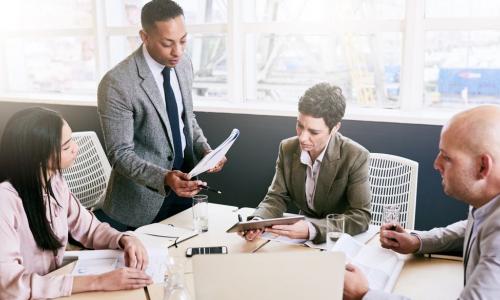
(362, 238)
(211, 159)
(380, 266)
(94, 262)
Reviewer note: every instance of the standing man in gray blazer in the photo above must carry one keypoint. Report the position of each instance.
(151, 134)
(469, 163)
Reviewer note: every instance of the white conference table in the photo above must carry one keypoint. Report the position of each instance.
(421, 277)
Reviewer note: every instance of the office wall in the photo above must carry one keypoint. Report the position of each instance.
(246, 177)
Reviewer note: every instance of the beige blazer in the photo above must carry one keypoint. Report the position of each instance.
(342, 186)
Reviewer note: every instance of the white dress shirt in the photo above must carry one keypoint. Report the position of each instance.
(312, 173)
(156, 68)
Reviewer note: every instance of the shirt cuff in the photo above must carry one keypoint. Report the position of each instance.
(312, 231)
(126, 233)
(419, 239)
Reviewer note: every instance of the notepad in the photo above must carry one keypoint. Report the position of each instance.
(212, 158)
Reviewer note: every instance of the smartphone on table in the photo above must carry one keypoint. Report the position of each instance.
(206, 250)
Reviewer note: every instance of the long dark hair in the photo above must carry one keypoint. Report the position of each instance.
(30, 146)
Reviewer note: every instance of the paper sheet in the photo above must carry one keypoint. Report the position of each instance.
(282, 239)
(162, 235)
(211, 159)
(94, 262)
(362, 238)
(380, 266)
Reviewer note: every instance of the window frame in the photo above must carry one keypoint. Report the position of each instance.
(413, 27)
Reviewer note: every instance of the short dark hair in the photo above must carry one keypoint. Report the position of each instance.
(30, 145)
(159, 10)
(323, 100)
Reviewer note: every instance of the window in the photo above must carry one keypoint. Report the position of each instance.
(385, 54)
(47, 48)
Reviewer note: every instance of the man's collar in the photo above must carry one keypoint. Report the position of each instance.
(486, 209)
(155, 66)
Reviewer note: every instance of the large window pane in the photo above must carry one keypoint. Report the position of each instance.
(56, 65)
(128, 13)
(208, 54)
(462, 68)
(121, 47)
(366, 67)
(204, 11)
(54, 14)
(462, 8)
(321, 10)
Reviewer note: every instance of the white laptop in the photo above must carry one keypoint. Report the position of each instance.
(269, 276)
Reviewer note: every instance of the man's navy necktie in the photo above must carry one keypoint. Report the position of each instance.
(173, 117)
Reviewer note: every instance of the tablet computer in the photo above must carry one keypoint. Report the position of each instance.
(261, 224)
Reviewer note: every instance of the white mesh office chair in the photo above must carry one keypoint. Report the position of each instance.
(393, 180)
(88, 177)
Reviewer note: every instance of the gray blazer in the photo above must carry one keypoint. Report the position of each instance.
(342, 186)
(483, 269)
(138, 137)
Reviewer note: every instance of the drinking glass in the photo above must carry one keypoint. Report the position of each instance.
(334, 229)
(175, 286)
(200, 213)
(390, 215)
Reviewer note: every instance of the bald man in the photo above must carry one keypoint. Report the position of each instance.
(469, 163)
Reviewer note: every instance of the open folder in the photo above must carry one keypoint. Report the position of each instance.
(211, 159)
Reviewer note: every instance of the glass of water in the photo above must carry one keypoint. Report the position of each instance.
(390, 215)
(200, 213)
(334, 229)
(175, 286)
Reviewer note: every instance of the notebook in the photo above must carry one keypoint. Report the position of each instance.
(269, 276)
(380, 266)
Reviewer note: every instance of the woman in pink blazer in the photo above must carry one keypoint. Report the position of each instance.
(38, 212)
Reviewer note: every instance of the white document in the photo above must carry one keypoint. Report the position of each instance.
(94, 262)
(162, 235)
(380, 266)
(282, 239)
(211, 159)
(363, 237)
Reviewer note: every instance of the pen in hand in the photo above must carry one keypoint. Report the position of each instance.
(206, 187)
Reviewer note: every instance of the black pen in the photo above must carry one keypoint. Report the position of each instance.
(206, 187)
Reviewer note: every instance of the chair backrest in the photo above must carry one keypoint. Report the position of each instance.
(88, 177)
(393, 180)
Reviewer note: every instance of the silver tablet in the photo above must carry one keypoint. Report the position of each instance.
(261, 224)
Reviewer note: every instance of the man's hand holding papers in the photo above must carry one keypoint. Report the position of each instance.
(214, 160)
